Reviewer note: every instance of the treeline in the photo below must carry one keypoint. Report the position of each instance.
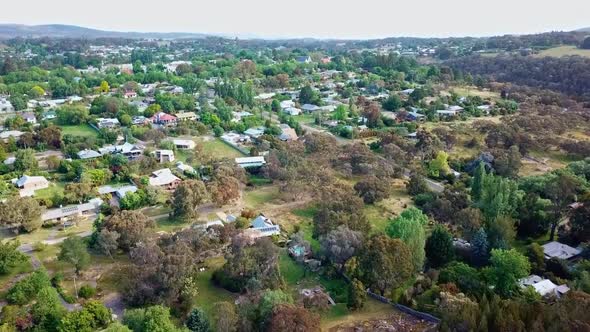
(570, 75)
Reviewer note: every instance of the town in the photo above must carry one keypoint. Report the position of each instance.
(217, 184)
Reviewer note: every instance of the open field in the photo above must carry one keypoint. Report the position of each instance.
(42, 234)
(256, 198)
(209, 293)
(562, 51)
(474, 91)
(83, 130)
(219, 150)
(55, 188)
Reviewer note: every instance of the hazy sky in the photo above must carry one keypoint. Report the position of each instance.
(308, 18)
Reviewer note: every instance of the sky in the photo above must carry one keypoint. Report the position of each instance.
(308, 18)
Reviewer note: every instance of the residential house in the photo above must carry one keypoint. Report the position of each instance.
(226, 218)
(310, 108)
(184, 168)
(29, 184)
(415, 116)
(88, 154)
(262, 226)
(164, 178)
(559, 250)
(184, 144)
(247, 162)
(49, 115)
(255, 132)
(140, 120)
(93, 206)
(543, 287)
(446, 113)
(238, 116)
(130, 94)
(118, 191)
(29, 117)
(163, 119)
(6, 105)
(455, 108)
(140, 104)
(164, 156)
(407, 92)
(127, 149)
(287, 103)
(287, 133)
(107, 123)
(6, 135)
(303, 59)
(293, 111)
(187, 116)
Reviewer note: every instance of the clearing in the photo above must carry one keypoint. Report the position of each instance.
(562, 51)
(82, 130)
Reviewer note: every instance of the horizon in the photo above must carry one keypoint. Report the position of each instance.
(462, 18)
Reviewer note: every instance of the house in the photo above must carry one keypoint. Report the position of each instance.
(29, 117)
(446, 113)
(287, 133)
(49, 115)
(184, 168)
(293, 111)
(6, 135)
(187, 116)
(544, 287)
(92, 206)
(130, 94)
(119, 192)
(107, 123)
(164, 178)
(163, 119)
(127, 149)
(247, 162)
(310, 108)
(415, 116)
(238, 116)
(140, 120)
(6, 105)
(261, 226)
(88, 154)
(485, 108)
(407, 92)
(255, 132)
(164, 156)
(561, 251)
(29, 184)
(184, 144)
(303, 59)
(455, 108)
(287, 103)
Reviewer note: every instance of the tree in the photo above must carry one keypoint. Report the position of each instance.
(151, 319)
(10, 256)
(464, 276)
(307, 95)
(224, 317)
(78, 192)
(480, 247)
(187, 197)
(132, 227)
(385, 263)
(107, 242)
(340, 244)
(586, 43)
(536, 256)
(357, 295)
(270, 300)
(36, 92)
(104, 87)
(197, 321)
(372, 189)
(439, 247)
(73, 251)
(580, 221)
(417, 185)
(290, 318)
(93, 316)
(562, 192)
(338, 205)
(47, 310)
(508, 266)
(392, 103)
(24, 213)
(409, 227)
(25, 160)
(439, 166)
(224, 189)
(477, 182)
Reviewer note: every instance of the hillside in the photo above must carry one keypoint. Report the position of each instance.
(584, 29)
(72, 31)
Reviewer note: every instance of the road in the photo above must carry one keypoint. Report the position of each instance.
(27, 248)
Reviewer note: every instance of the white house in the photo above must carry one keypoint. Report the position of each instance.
(164, 178)
(164, 156)
(29, 184)
(107, 123)
(559, 250)
(88, 154)
(262, 226)
(544, 287)
(293, 111)
(184, 144)
(246, 162)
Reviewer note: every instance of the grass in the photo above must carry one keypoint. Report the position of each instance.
(83, 130)
(305, 118)
(47, 233)
(521, 244)
(256, 198)
(170, 225)
(220, 150)
(20, 268)
(474, 91)
(339, 314)
(291, 271)
(154, 211)
(562, 51)
(208, 293)
(257, 180)
(50, 192)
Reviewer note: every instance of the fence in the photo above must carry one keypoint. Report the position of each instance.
(418, 314)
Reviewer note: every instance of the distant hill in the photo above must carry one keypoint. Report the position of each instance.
(584, 30)
(72, 31)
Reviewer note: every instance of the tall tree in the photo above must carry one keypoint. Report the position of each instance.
(290, 318)
(562, 192)
(224, 317)
(197, 321)
(10, 256)
(24, 213)
(340, 244)
(439, 247)
(508, 266)
(481, 249)
(187, 197)
(409, 227)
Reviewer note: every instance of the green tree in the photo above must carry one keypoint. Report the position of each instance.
(24, 213)
(439, 166)
(104, 87)
(307, 95)
(10, 256)
(392, 103)
(586, 43)
(409, 227)
(187, 197)
(73, 251)
(197, 321)
(93, 316)
(25, 160)
(536, 256)
(477, 182)
(480, 247)
(224, 317)
(439, 247)
(47, 310)
(357, 295)
(508, 266)
(151, 319)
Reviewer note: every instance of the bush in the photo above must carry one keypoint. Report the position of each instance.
(87, 292)
(26, 290)
(39, 246)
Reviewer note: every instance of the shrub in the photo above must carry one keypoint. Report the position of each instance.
(86, 292)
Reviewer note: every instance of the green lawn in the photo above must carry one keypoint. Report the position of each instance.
(305, 118)
(256, 198)
(170, 225)
(220, 150)
(291, 271)
(209, 293)
(83, 130)
(49, 193)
